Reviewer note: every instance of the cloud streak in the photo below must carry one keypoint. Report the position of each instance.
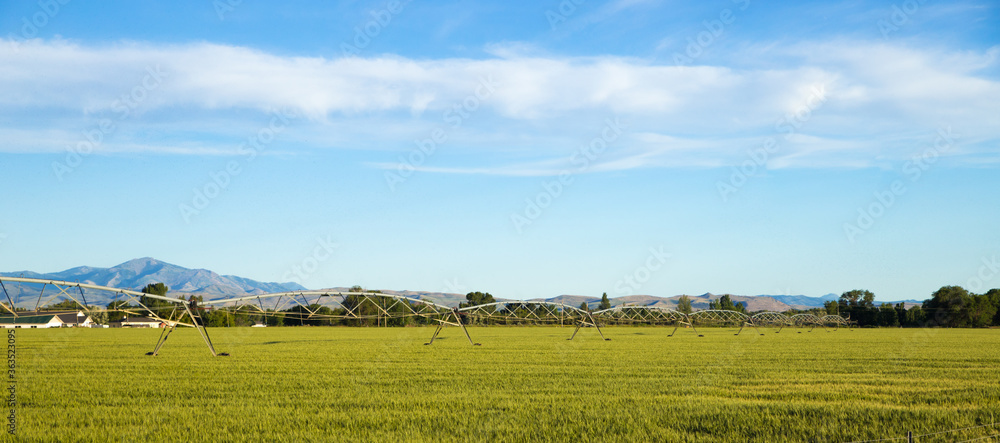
(881, 99)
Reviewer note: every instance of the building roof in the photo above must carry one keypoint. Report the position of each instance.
(26, 319)
(68, 317)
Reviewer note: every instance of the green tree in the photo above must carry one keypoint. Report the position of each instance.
(868, 300)
(477, 298)
(831, 307)
(65, 305)
(98, 316)
(584, 307)
(859, 305)
(947, 307)
(373, 309)
(115, 309)
(318, 315)
(274, 318)
(684, 304)
(980, 311)
(155, 289)
(915, 316)
(159, 307)
(216, 318)
(887, 315)
(605, 303)
(725, 303)
(740, 307)
(850, 298)
(901, 313)
(245, 316)
(994, 297)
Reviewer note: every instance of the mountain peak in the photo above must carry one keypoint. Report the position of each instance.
(136, 273)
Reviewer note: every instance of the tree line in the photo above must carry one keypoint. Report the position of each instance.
(950, 306)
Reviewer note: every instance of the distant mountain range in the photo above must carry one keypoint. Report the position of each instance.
(802, 300)
(137, 273)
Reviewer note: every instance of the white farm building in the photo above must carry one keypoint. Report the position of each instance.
(46, 319)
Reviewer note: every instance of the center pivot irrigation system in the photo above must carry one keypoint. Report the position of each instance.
(382, 308)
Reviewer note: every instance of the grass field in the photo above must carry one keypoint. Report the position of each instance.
(523, 383)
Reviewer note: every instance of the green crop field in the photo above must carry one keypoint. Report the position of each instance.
(523, 383)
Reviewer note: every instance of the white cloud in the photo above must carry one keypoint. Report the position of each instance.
(678, 115)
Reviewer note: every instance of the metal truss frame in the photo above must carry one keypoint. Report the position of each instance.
(412, 307)
(837, 321)
(772, 319)
(379, 306)
(808, 320)
(721, 316)
(65, 287)
(457, 321)
(648, 314)
(534, 312)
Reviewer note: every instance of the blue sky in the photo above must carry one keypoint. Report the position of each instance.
(528, 149)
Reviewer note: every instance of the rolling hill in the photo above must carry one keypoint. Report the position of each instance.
(134, 274)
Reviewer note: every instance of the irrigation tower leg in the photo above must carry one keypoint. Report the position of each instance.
(599, 331)
(11, 308)
(436, 331)
(163, 339)
(752, 325)
(578, 326)
(689, 324)
(204, 333)
(695, 330)
(458, 322)
(584, 322)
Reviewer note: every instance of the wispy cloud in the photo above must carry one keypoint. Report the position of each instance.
(880, 99)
